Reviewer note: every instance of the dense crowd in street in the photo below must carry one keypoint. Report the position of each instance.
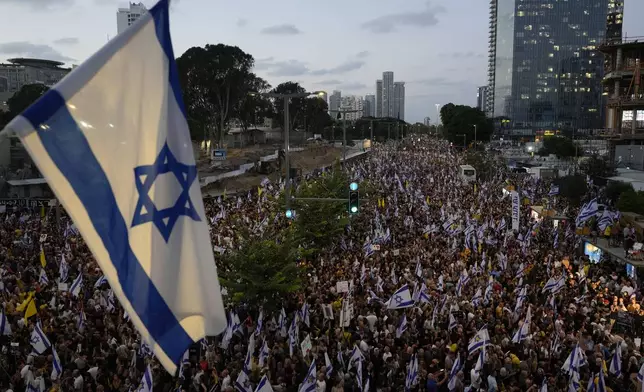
(429, 289)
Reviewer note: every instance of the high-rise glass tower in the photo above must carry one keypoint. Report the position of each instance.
(544, 72)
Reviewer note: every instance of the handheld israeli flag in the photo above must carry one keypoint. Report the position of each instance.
(57, 368)
(146, 381)
(39, 340)
(43, 277)
(480, 340)
(401, 299)
(328, 365)
(5, 327)
(77, 285)
(112, 141)
(616, 361)
(264, 385)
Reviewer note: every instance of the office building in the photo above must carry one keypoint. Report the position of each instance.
(399, 101)
(370, 105)
(481, 98)
(544, 70)
(126, 16)
(379, 98)
(20, 72)
(335, 100)
(388, 94)
(352, 102)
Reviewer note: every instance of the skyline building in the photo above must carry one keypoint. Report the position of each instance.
(379, 98)
(427, 121)
(481, 98)
(126, 16)
(544, 70)
(388, 94)
(369, 105)
(353, 102)
(399, 101)
(335, 100)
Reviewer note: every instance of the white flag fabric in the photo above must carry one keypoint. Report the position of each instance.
(112, 141)
(39, 340)
(481, 339)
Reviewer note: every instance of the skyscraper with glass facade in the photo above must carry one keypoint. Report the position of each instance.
(544, 70)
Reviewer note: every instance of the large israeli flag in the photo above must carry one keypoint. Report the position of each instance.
(112, 141)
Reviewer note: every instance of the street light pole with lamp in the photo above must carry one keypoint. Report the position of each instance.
(287, 119)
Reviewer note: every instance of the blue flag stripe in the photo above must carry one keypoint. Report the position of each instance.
(69, 150)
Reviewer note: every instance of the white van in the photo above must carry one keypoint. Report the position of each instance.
(467, 173)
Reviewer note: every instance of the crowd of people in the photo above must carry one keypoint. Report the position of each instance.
(428, 289)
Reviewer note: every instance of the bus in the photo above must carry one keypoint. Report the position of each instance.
(467, 173)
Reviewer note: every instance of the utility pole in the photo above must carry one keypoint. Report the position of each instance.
(287, 125)
(371, 126)
(344, 130)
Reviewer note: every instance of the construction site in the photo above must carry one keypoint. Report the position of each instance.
(623, 90)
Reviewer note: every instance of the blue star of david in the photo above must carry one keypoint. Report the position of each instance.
(146, 211)
(398, 299)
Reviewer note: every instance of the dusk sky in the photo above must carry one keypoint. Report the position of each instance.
(438, 48)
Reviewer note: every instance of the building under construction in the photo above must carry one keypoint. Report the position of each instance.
(624, 93)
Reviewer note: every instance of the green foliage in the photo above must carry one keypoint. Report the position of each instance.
(319, 223)
(485, 168)
(214, 80)
(316, 115)
(459, 120)
(27, 95)
(614, 190)
(560, 146)
(596, 166)
(572, 188)
(297, 106)
(631, 201)
(251, 109)
(262, 272)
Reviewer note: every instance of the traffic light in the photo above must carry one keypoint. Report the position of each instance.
(354, 202)
(290, 214)
(354, 198)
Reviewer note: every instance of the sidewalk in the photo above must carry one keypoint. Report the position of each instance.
(615, 252)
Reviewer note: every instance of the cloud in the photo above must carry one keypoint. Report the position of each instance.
(299, 68)
(28, 49)
(363, 54)
(470, 54)
(352, 86)
(283, 29)
(328, 82)
(390, 23)
(436, 82)
(347, 66)
(281, 68)
(40, 5)
(242, 22)
(66, 41)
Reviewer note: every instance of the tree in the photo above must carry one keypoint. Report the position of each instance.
(250, 109)
(631, 201)
(560, 146)
(214, 79)
(318, 223)
(480, 161)
(614, 190)
(316, 115)
(297, 106)
(573, 188)
(597, 166)
(27, 95)
(459, 120)
(262, 272)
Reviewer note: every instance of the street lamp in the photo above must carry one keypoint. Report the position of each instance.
(344, 130)
(287, 119)
(474, 136)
